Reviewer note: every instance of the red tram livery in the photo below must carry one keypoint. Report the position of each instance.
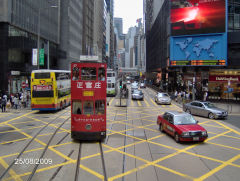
(88, 100)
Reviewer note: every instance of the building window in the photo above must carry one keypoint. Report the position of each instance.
(236, 21)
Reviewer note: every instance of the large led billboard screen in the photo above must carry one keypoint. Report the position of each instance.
(190, 17)
(202, 50)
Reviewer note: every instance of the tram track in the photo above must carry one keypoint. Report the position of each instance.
(28, 144)
(45, 149)
(80, 151)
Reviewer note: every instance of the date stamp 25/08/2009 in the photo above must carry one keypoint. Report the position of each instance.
(33, 161)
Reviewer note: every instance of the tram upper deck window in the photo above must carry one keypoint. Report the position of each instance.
(88, 107)
(88, 73)
(77, 107)
(45, 75)
(75, 73)
(101, 74)
(100, 107)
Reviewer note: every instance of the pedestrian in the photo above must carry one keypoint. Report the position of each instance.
(175, 95)
(205, 96)
(4, 102)
(5, 96)
(11, 100)
(16, 101)
(187, 96)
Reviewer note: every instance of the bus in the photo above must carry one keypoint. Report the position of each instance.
(50, 89)
(88, 100)
(111, 82)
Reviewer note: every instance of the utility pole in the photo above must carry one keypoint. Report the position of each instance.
(38, 41)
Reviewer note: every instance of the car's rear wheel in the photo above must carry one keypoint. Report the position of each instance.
(176, 137)
(161, 128)
(188, 111)
(211, 116)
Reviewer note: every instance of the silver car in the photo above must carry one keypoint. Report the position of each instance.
(142, 85)
(134, 86)
(205, 109)
(163, 98)
(137, 94)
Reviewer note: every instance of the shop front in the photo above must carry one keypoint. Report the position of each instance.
(16, 81)
(224, 84)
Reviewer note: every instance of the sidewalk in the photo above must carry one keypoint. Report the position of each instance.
(13, 110)
(231, 107)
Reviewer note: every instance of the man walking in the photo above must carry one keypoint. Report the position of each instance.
(4, 102)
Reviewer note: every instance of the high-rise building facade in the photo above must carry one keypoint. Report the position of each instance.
(118, 23)
(20, 24)
(110, 34)
(71, 31)
(88, 26)
(99, 40)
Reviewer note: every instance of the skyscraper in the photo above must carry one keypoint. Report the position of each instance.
(20, 24)
(71, 32)
(118, 23)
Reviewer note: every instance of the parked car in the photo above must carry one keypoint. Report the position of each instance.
(163, 98)
(137, 95)
(182, 126)
(206, 109)
(128, 82)
(142, 85)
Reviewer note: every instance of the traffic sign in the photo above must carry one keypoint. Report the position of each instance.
(23, 85)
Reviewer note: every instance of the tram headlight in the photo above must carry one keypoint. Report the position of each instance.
(88, 126)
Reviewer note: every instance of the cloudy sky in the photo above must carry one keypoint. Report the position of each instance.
(129, 10)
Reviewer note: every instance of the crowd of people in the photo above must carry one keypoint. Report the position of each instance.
(184, 96)
(14, 101)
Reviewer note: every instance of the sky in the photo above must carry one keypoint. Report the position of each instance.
(129, 10)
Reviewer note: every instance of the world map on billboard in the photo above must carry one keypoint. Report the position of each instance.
(202, 47)
(198, 47)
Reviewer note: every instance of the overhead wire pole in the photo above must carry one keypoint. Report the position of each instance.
(39, 29)
(38, 41)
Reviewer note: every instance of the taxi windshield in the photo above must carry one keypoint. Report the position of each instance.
(184, 119)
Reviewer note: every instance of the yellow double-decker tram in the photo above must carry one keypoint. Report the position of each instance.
(50, 89)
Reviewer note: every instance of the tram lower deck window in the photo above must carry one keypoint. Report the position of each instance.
(100, 107)
(77, 107)
(88, 107)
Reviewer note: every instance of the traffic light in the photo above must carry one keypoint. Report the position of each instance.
(120, 84)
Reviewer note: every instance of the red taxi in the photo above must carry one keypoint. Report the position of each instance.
(182, 126)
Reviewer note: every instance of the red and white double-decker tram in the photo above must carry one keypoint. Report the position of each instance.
(88, 100)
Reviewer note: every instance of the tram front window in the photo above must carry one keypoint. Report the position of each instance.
(100, 107)
(101, 74)
(77, 107)
(88, 107)
(75, 73)
(88, 73)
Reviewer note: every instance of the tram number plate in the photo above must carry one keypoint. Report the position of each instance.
(88, 93)
(195, 138)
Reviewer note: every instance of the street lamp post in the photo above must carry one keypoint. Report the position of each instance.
(38, 40)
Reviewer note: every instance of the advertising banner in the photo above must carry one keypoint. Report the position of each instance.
(199, 50)
(34, 56)
(190, 17)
